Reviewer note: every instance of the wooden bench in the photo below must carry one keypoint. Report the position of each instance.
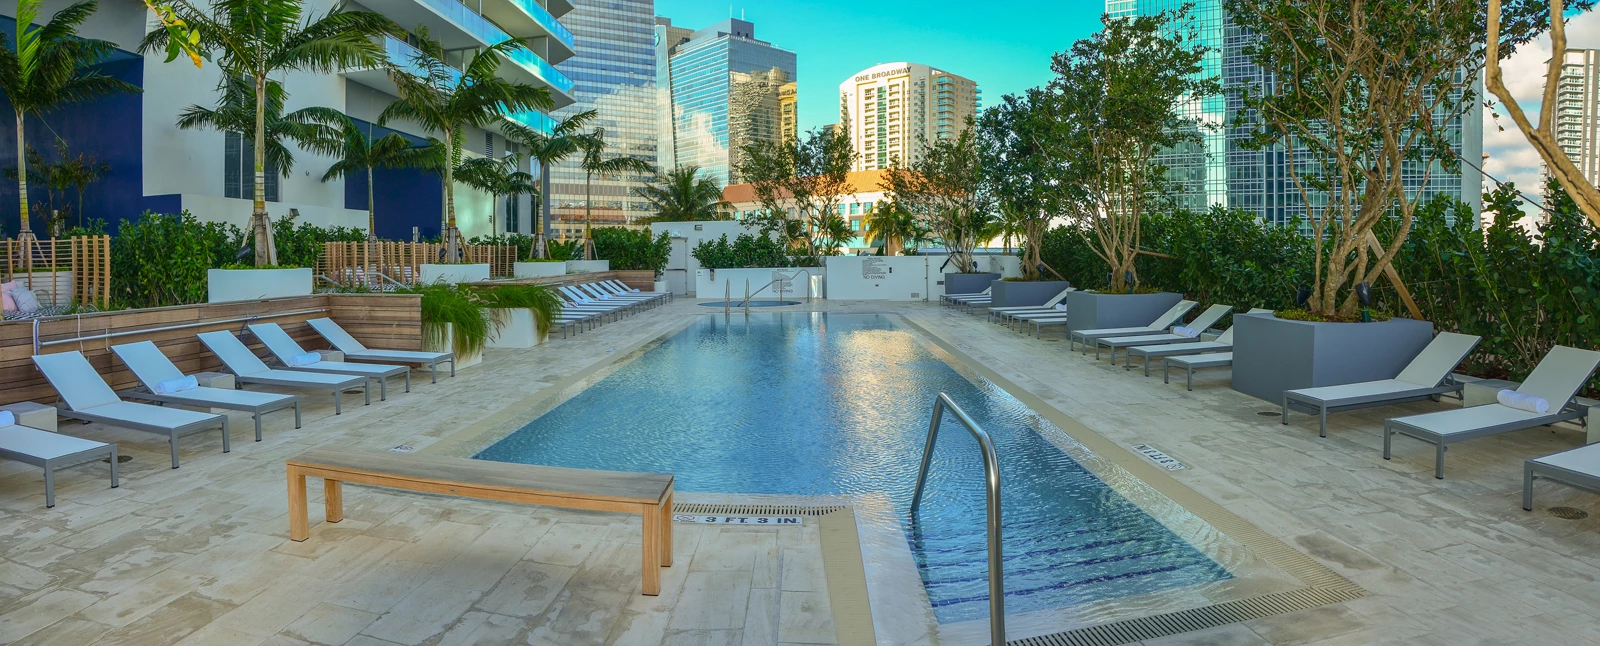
(646, 494)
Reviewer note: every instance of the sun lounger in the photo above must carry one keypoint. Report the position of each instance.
(153, 369)
(1200, 324)
(87, 397)
(52, 451)
(1223, 343)
(582, 302)
(604, 293)
(1423, 378)
(354, 350)
(247, 368)
(1048, 306)
(1192, 363)
(624, 287)
(1578, 468)
(1556, 379)
(952, 298)
(282, 346)
(1158, 326)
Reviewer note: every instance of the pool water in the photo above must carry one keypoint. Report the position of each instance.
(815, 404)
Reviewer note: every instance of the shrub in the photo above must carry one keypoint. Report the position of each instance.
(458, 306)
(522, 241)
(544, 303)
(161, 260)
(631, 249)
(563, 250)
(745, 251)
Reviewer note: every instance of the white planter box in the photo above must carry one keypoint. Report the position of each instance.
(587, 266)
(448, 344)
(454, 274)
(717, 283)
(517, 328)
(227, 285)
(661, 287)
(538, 269)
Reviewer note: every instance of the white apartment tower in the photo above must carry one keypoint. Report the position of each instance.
(893, 110)
(1577, 116)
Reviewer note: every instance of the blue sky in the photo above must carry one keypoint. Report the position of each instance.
(1005, 47)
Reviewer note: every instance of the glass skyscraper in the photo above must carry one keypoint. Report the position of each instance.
(725, 90)
(614, 73)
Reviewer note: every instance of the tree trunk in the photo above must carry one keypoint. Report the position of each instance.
(542, 219)
(588, 213)
(260, 224)
(372, 218)
(452, 237)
(22, 176)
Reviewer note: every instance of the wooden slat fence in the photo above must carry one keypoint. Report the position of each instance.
(61, 271)
(358, 263)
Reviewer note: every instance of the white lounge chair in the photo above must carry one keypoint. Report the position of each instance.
(1200, 324)
(1158, 326)
(247, 368)
(1192, 363)
(961, 298)
(1223, 343)
(284, 348)
(1004, 313)
(153, 369)
(596, 290)
(1423, 378)
(1578, 468)
(51, 451)
(87, 397)
(354, 350)
(619, 285)
(1556, 380)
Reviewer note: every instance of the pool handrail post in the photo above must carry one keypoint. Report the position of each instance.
(727, 297)
(747, 296)
(991, 476)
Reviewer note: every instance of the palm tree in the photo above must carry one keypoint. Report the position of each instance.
(448, 102)
(254, 39)
(497, 177)
(683, 195)
(236, 112)
(596, 163)
(563, 140)
(890, 225)
(46, 67)
(359, 153)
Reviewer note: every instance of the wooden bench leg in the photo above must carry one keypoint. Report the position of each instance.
(651, 563)
(666, 531)
(299, 524)
(333, 500)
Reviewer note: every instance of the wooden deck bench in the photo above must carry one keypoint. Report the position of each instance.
(646, 494)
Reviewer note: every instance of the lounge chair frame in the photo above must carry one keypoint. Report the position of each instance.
(1535, 469)
(50, 465)
(360, 352)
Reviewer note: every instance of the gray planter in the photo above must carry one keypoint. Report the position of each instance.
(968, 283)
(1011, 293)
(1089, 311)
(1271, 355)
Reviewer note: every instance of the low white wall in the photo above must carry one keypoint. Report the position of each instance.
(1008, 266)
(716, 283)
(878, 278)
(226, 285)
(538, 269)
(587, 266)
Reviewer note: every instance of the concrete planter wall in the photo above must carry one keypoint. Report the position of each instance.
(446, 342)
(455, 273)
(538, 269)
(1091, 311)
(1010, 293)
(587, 266)
(968, 283)
(516, 328)
(1271, 355)
(227, 285)
(660, 287)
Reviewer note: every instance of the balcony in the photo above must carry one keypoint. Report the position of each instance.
(403, 56)
(527, 20)
(457, 27)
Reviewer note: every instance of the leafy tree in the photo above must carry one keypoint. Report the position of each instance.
(890, 226)
(49, 66)
(254, 39)
(1018, 170)
(944, 190)
(448, 102)
(632, 249)
(595, 162)
(359, 153)
(563, 141)
(810, 174)
(683, 194)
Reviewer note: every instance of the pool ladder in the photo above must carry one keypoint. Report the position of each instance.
(991, 476)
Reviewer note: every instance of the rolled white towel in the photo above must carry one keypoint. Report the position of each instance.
(1061, 307)
(1523, 401)
(178, 385)
(1184, 331)
(304, 359)
(7, 419)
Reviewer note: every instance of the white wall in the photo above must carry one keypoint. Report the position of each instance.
(878, 278)
(211, 208)
(680, 272)
(718, 283)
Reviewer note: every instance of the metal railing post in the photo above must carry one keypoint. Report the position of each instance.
(991, 476)
(727, 297)
(747, 296)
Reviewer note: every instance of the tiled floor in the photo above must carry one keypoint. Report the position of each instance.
(200, 554)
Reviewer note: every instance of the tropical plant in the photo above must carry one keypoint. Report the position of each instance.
(889, 226)
(595, 162)
(522, 241)
(564, 250)
(254, 39)
(497, 177)
(159, 260)
(632, 249)
(359, 153)
(810, 174)
(548, 149)
(542, 301)
(747, 250)
(945, 192)
(683, 194)
(49, 66)
(1019, 173)
(451, 310)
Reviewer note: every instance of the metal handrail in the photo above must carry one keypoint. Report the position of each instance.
(991, 476)
(37, 344)
(749, 295)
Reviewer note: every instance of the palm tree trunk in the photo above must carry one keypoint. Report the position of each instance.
(451, 237)
(22, 177)
(260, 225)
(541, 236)
(372, 218)
(588, 213)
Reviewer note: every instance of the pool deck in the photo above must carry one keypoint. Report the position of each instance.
(200, 555)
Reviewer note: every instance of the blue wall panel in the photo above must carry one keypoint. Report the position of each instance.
(404, 197)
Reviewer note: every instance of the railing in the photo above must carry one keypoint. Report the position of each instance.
(991, 476)
(779, 281)
(376, 263)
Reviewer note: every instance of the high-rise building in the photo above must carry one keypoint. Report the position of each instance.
(1221, 170)
(1577, 111)
(893, 110)
(723, 90)
(614, 74)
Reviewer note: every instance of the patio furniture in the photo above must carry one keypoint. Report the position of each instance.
(247, 368)
(1223, 343)
(954, 298)
(1200, 324)
(51, 451)
(1578, 468)
(646, 494)
(1158, 326)
(617, 284)
(295, 358)
(1424, 378)
(87, 397)
(1192, 363)
(1556, 379)
(353, 349)
(153, 369)
(1048, 306)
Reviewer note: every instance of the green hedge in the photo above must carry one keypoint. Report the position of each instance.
(631, 249)
(747, 250)
(159, 260)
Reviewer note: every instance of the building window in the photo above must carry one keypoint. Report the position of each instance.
(513, 213)
(238, 170)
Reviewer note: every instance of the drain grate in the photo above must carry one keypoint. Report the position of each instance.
(701, 509)
(1269, 413)
(1183, 621)
(1568, 513)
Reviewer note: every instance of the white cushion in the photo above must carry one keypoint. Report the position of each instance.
(6, 418)
(177, 385)
(304, 359)
(25, 299)
(1523, 401)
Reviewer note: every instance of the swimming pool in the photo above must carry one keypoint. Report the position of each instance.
(817, 404)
